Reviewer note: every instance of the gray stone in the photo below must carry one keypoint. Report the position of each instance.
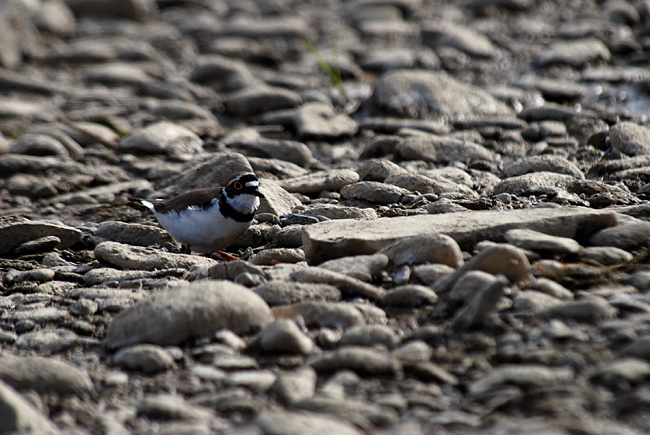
(477, 311)
(284, 336)
(379, 169)
(257, 380)
(172, 316)
(543, 163)
(322, 314)
(332, 180)
(42, 244)
(232, 269)
(429, 183)
(287, 292)
(552, 288)
(427, 248)
(630, 138)
(589, 310)
(627, 235)
(142, 11)
(298, 423)
(419, 93)
(536, 241)
(354, 409)
(535, 183)
(141, 258)
(15, 231)
(253, 143)
(606, 255)
(315, 120)
(133, 234)
(171, 407)
(256, 99)
(441, 149)
(576, 53)
(524, 375)
(375, 192)
(339, 238)
(362, 360)
(293, 386)
(469, 285)
(335, 211)
(46, 341)
(145, 358)
(534, 301)
(370, 336)
(17, 415)
(346, 284)
(436, 35)
(163, 138)
(429, 274)
(622, 372)
(38, 145)
(45, 375)
(409, 296)
(363, 267)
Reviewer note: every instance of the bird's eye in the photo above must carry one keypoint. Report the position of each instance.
(238, 185)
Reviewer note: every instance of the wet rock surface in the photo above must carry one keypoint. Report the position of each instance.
(454, 236)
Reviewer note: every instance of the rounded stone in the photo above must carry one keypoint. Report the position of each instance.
(203, 307)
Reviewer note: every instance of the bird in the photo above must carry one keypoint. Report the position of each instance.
(208, 220)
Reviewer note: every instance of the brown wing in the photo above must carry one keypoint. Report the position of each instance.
(198, 198)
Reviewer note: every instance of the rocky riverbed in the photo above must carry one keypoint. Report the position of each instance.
(454, 237)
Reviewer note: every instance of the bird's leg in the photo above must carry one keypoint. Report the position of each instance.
(185, 249)
(226, 256)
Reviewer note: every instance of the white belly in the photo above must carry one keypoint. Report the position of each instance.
(203, 231)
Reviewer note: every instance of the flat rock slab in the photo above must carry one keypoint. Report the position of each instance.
(339, 238)
(14, 231)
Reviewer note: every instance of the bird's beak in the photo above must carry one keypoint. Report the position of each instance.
(259, 194)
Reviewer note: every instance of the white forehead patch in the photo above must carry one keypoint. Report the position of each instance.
(253, 183)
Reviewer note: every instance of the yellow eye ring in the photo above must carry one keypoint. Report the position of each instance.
(237, 185)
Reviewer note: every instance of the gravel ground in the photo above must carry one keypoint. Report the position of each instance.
(454, 237)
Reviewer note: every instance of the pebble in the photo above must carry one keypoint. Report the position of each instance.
(589, 310)
(284, 336)
(199, 308)
(163, 138)
(477, 311)
(543, 163)
(469, 285)
(145, 358)
(441, 149)
(630, 138)
(374, 192)
(316, 121)
(409, 296)
(294, 386)
(622, 373)
(551, 288)
(536, 241)
(523, 375)
(45, 375)
(22, 416)
(15, 231)
(287, 292)
(171, 407)
(362, 360)
(322, 314)
(362, 267)
(141, 258)
(628, 235)
(279, 422)
(255, 380)
(534, 301)
(434, 248)
(370, 335)
(332, 180)
(605, 255)
(432, 93)
(133, 234)
(270, 257)
(257, 99)
(346, 284)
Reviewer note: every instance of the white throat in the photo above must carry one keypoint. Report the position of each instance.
(243, 203)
